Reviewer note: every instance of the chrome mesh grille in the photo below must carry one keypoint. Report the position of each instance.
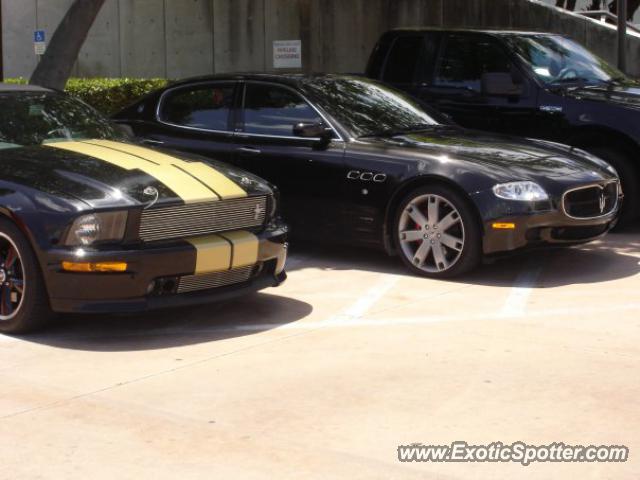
(591, 201)
(182, 221)
(204, 281)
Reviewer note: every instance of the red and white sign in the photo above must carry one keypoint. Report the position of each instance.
(287, 54)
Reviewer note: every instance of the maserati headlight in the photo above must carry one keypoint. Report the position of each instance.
(96, 227)
(522, 191)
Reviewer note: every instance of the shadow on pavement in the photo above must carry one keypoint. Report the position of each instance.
(173, 327)
(615, 257)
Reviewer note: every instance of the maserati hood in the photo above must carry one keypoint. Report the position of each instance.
(515, 158)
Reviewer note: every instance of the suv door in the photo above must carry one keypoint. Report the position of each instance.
(456, 86)
(409, 61)
(197, 118)
(309, 173)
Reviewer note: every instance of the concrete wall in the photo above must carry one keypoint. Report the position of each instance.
(180, 38)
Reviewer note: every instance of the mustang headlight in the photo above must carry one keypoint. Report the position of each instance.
(97, 227)
(522, 191)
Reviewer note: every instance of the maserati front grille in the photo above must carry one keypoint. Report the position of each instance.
(182, 221)
(205, 281)
(591, 201)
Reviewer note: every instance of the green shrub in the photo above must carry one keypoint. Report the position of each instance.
(108, 95)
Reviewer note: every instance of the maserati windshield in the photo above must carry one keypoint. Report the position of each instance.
(557, 60)
(365, 107)
(29, 118)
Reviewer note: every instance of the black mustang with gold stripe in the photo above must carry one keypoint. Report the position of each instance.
(90, 222)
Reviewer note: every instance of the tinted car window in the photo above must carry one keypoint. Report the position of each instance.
(273, 110)
(33, 118)
(205, 106)
(365, 107)
(403, 60)
(558, 60)
(465, 58)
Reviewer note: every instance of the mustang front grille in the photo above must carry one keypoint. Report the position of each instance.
(591, 201)
(195, 219)
(205, 281)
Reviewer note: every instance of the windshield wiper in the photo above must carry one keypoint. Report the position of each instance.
(392, 132)
(580, 81)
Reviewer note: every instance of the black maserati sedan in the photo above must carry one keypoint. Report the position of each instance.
(90, 222)
(364, 164)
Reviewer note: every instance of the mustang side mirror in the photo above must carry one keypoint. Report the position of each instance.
(500, 85)
(312, 130)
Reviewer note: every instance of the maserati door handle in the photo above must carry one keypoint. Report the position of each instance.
(249, 151)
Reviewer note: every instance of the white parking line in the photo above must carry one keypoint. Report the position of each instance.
(516, 303)
(369, 299)
(353, 313)
(552, 313)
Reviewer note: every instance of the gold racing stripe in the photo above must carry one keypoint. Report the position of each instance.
(215, 253)
(245, 247)
(216, 181)
(188, 188)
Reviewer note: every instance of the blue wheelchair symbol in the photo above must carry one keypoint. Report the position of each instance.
(39, 36)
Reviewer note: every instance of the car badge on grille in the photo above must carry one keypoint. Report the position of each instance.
(258, 211)
(151, 192)
(602, 202)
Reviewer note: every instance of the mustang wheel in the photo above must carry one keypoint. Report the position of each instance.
(437, 233)
(24, 305)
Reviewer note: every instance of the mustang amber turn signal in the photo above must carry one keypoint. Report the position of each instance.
(94, 267)
(504, 226)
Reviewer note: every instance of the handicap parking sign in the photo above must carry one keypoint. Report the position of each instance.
(39, 42)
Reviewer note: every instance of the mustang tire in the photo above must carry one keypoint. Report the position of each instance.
(437, 233)
(24, 304)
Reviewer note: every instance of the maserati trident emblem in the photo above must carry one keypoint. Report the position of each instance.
(258, 212)
(602, 202)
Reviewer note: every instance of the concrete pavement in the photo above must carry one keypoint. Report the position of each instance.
(325, 376)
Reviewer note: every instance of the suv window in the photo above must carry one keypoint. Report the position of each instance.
(204, 106)
(273, 110)
(465, 58)
(403, 60)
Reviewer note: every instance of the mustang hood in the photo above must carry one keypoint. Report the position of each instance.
(105, 174)
(517, 158)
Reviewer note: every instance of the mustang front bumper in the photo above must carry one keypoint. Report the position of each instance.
(155, 275)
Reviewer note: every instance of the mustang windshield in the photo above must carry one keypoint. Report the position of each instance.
(557, 60)
(365, 107)
(34, 118)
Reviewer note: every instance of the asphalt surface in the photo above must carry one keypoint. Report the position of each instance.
(325, 376)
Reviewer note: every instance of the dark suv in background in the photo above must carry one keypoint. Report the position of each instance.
(529, 84)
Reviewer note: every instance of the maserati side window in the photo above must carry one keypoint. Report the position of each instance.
(205, 106)
(466, 58)
(272, 110)
(403, 60)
